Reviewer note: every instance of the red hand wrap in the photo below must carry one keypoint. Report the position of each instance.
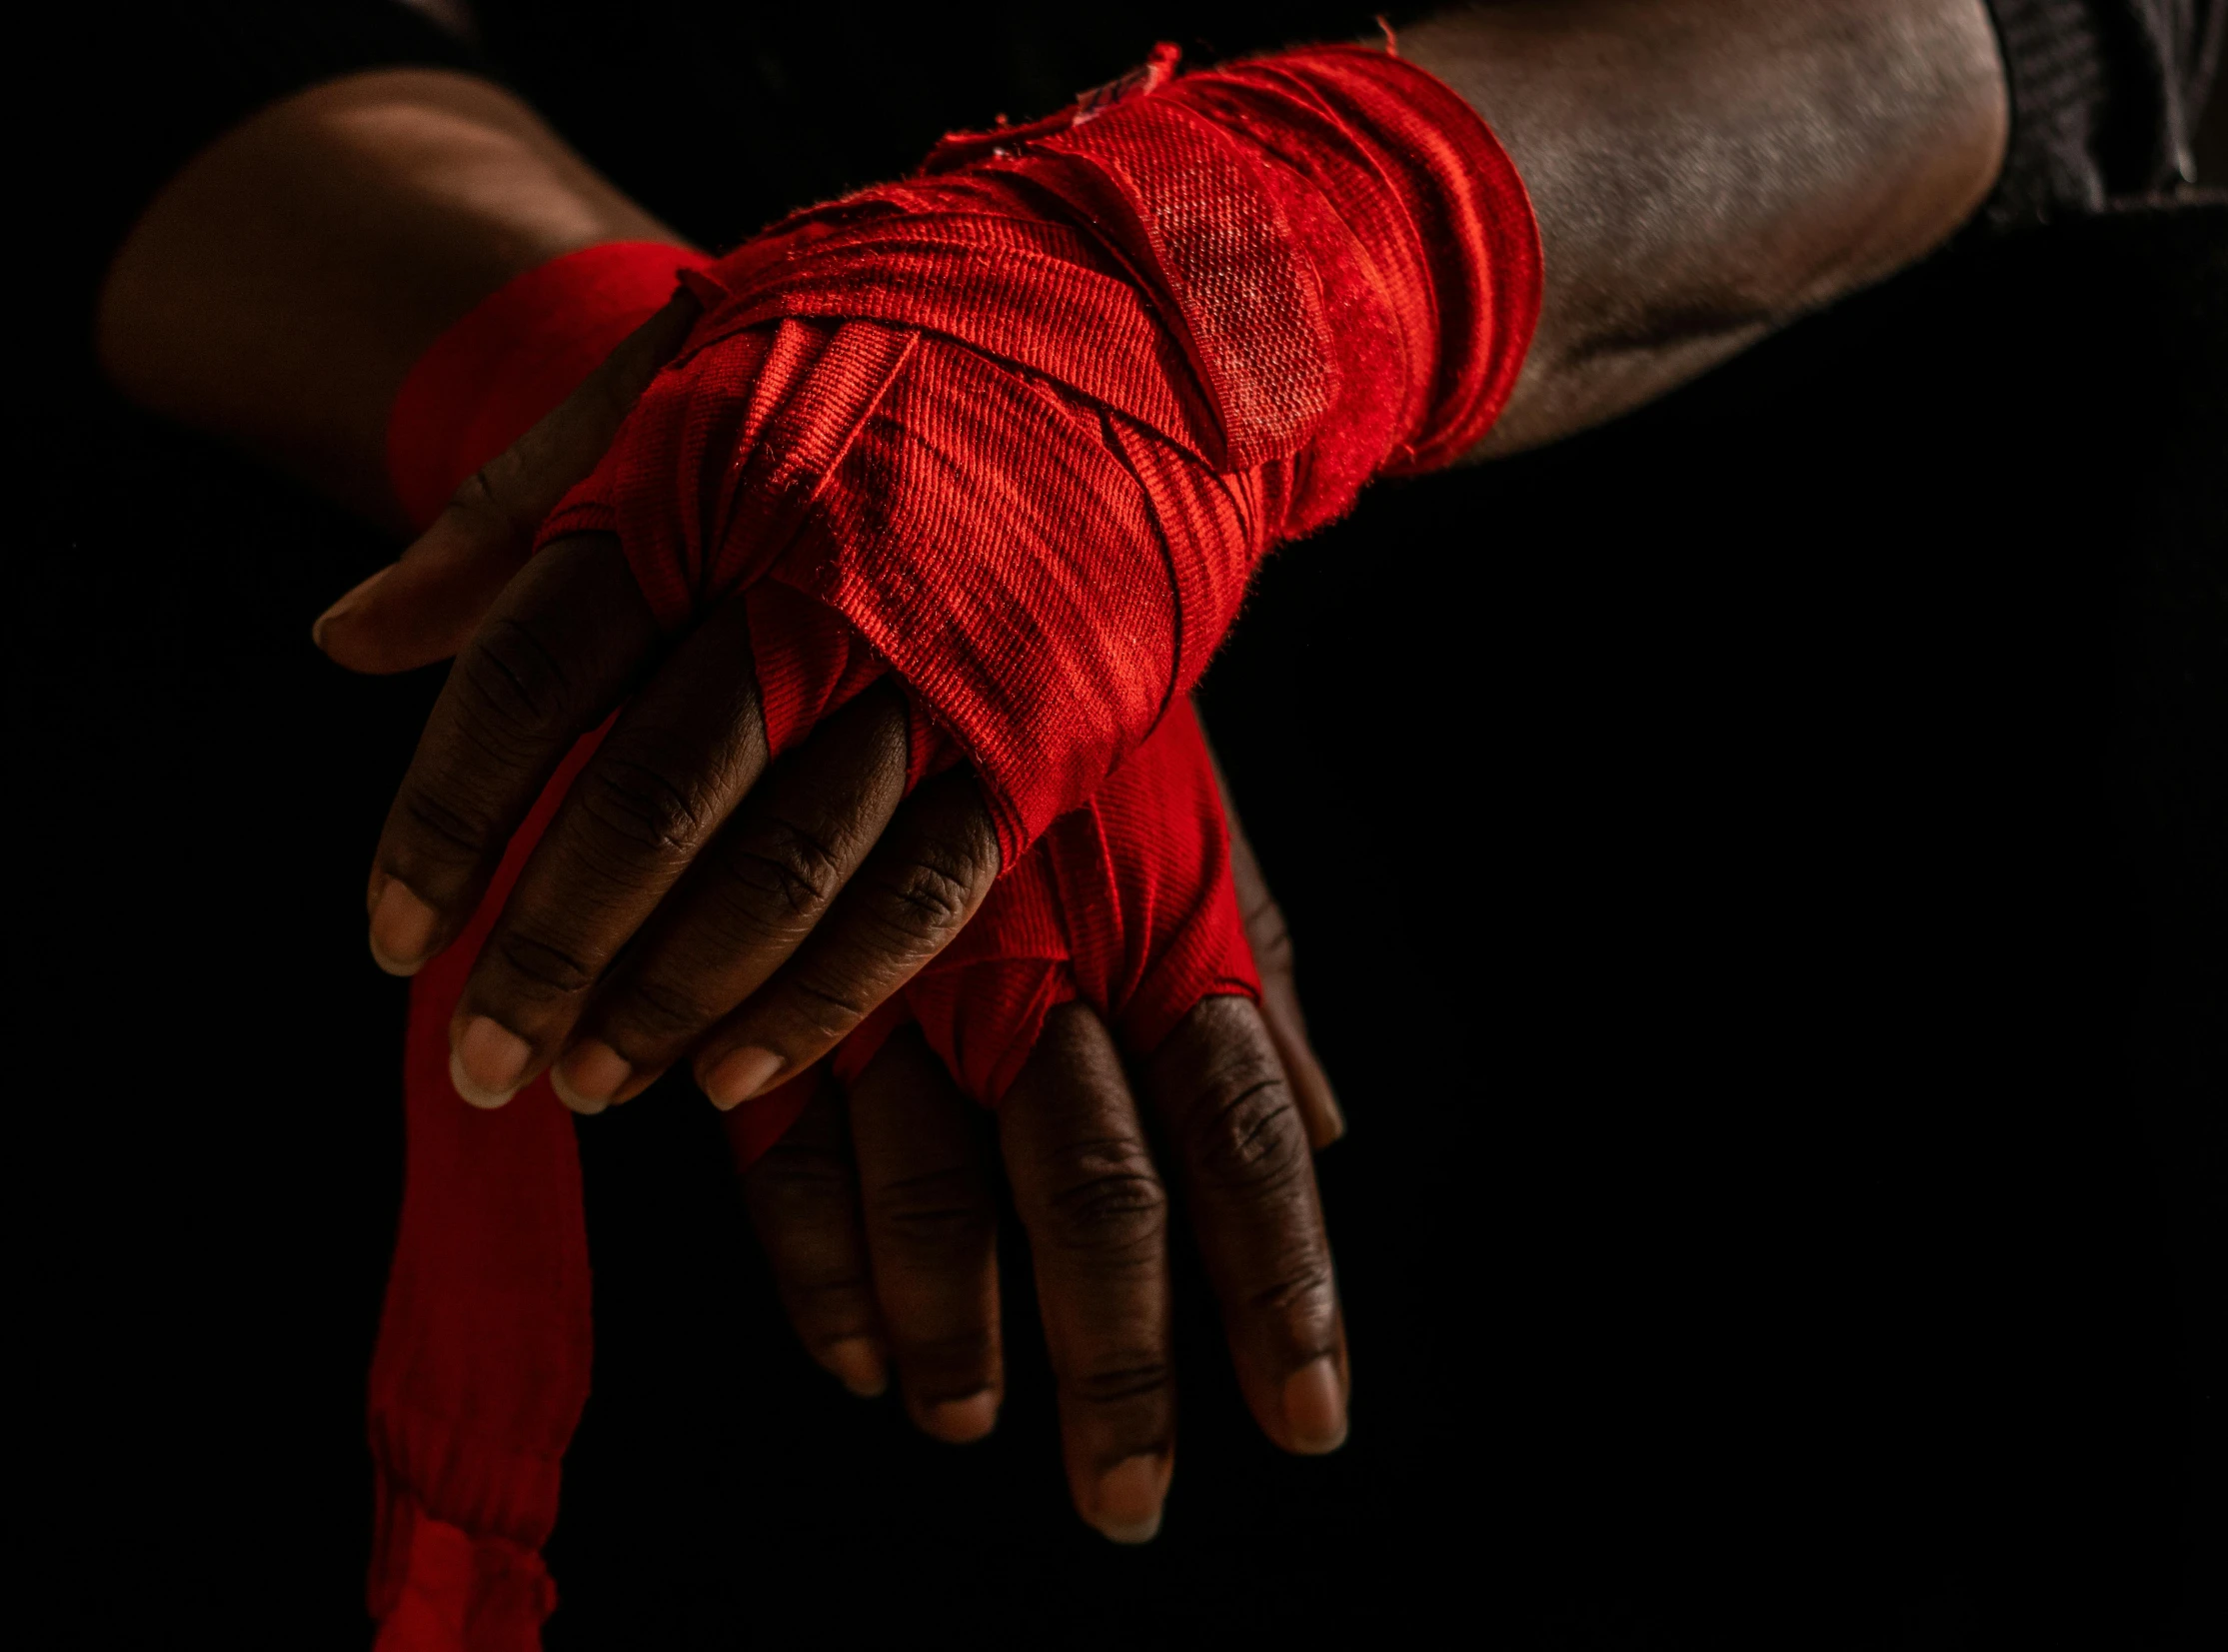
(1020, 430)
(488, 378)
(483, 1358)
(1126, 903)
(1027, 421)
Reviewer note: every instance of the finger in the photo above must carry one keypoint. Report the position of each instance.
(651, 799)
(1273, 957)
(557, 652)
(931, 1231)
(1097, 1216)
(914, 891)
(803, 1203)
(426, 606)
(1219, 1092)
(747, 901)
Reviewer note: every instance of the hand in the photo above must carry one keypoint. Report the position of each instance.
(906, 1268)
(828, 836)
(1044, 541)
(437, 594)
(877, 1215)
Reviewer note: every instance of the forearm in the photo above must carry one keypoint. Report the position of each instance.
(1705, 171)
(278, 290)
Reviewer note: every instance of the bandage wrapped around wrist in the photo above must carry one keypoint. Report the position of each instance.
(1017, 431)
(1027, 421)
(484, 1349)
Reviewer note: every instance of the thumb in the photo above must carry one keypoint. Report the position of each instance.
(426, 606)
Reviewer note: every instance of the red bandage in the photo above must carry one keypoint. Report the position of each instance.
(1126, 904)
(488, 378)
(1027, 421)
(483, 1358)
(1018, 430)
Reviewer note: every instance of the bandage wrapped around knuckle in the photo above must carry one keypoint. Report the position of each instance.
(1021, 427)
(1126, 904)
(1016, 429)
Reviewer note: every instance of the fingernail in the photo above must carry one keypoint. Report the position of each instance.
(1315, 1408)
(858, 1365)
(961, 1421)
(349, 599)
(739, 1074)
(587, 1077)
(1127, 1508)
(489, 1062)
(403, 928)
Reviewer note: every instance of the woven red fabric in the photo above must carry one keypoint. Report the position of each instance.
(1016, 429)
(481, 1363)
(1126, 903)
(484, 382)
(1027, 421)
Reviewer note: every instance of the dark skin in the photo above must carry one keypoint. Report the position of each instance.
(1644, 293)
(876, 1209)
(1703, 172)
(258, 299)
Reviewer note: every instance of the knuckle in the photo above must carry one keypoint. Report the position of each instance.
(1303, 1292)
(663, 1012)
(825, 1011)
(962, 851)
(1247, 1133)
(514, 686)
(780, 875)
(937, 1216)
(1115, 1211)
(486, 501)
(444, 826)
(647, 810)
(543, 967)
(922, 905)
(513, 493)
(1120, 1376)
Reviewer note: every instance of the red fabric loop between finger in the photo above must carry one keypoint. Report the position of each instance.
(1126, 904)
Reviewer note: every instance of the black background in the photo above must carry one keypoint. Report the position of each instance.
(1759, 885)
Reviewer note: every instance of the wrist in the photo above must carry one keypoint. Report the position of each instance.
(496, 371)
(277, 291)
(1705, 171)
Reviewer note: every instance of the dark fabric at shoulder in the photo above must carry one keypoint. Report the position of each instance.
(718, 117)
(157, 83)
(2105, 100)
